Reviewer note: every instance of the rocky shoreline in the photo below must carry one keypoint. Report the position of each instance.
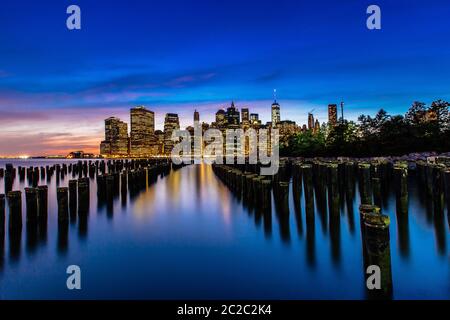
(411, 159)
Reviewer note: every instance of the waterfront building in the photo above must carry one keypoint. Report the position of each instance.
(171, 123)
(275, 114)
(197, 141)
(142, 135)
(116, 138)
(220, 119)
(245, 115)
(254, 118)
(159, 144)
(232, 117)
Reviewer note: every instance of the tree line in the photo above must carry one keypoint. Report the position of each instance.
(422, 129)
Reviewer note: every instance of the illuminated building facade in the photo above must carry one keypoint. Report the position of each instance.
(142, 136)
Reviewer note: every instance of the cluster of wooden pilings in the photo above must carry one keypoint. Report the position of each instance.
(113, 177)
(329, 186)
(435, 179)
(253, 188)
(131, 177)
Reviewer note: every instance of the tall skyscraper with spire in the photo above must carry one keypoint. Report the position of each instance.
(233, 116)
(196, 116)
(275, 110)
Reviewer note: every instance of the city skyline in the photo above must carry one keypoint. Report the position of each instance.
(56, 85)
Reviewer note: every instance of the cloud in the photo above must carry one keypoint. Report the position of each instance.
(25, 143)
(9, 117)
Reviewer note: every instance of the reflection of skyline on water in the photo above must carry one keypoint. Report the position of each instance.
(192, 225)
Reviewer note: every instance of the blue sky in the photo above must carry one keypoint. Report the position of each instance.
(56, 85)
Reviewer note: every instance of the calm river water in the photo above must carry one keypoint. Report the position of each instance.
(188, 237)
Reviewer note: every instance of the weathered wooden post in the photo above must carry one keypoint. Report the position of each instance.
(83, 195)
(73, 186)
(401, 184)
(333, 189)
(42, 194)
(2, 228)
(447, 189)
(15, 210)
(32, 204)
(35, 177)
(15, 223)
(438, 188)
(376, 188)
(2, 213)
(266, 195)
(238, 182)
(308, 187)
(8, 180)
(309, 210)
(249, 189)
(62, 195)
(109, 188)
(364, 183)
(282, 197)
(429, 168)
(377, 245)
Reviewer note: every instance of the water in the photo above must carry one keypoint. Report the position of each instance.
(188, 237)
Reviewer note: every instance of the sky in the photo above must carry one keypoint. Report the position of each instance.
(57, 85)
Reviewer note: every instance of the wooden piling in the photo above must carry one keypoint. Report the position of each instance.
(31, 204)
(42, 194)
(62, 195)
(377, 244)
(401, 186)
(364, 183)
(15, 209)
(333, 189)
(376, 188)
(282, 197)
(2, 213)
(73, 185)
(83, 195)
(308, 187)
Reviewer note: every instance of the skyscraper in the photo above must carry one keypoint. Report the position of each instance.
(196, 135)
(142, 135)
(245, 116)
(254, 118)
(275, 114)
(196, 116)
(310, 121)
(332, 114)
(232, 116)
(171, 123)
(116, 138)
(220, 118)
(159, 146)
(316, 126)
